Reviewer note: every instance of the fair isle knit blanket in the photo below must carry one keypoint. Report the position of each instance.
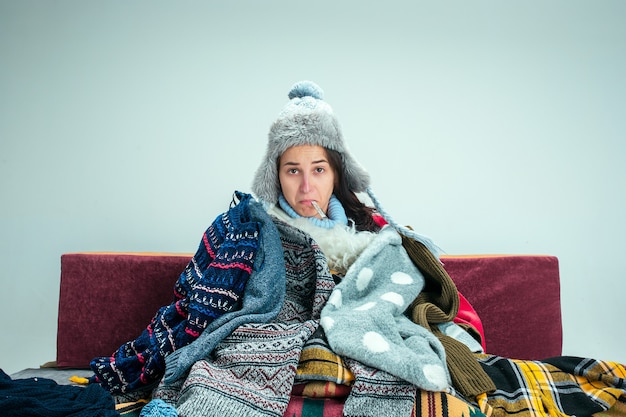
(251, 372)
(211, 286)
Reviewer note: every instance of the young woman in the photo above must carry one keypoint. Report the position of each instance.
(302, 284)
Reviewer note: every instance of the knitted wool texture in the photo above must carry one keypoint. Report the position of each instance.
(211, 285)
(378, 394)
(364, 320)
(44, 397)
(158, 408)
(439, 299)
(437, 305)
(251, 372)
(262, 299)
(336, 213)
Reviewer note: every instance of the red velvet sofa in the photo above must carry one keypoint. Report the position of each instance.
(107, 299)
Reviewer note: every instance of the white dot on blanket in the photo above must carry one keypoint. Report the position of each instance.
(335, 298)
(366, 306)
(437, 375)
(401, 278)
(393, 297)
(364, 278)
(327, 323)
(375, 342)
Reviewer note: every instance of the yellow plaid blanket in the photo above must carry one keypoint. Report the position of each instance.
(555, 387)
(319, 363)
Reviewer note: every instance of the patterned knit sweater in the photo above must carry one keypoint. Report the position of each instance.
(211, 286)
(251, 372)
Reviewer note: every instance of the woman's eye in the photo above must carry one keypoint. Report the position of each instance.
(319, 169)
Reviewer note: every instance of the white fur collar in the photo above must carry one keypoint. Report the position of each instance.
(342, 245)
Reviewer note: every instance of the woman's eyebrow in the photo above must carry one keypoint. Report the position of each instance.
(292, 163)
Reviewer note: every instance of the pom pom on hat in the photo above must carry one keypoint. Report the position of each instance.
(306, 88)
(305, 120)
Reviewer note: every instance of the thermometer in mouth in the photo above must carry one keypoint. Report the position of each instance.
(319, 210)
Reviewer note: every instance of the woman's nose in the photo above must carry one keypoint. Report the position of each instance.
(305, 185)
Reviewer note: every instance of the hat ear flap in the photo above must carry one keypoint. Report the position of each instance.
(266, 185)
(357, 177)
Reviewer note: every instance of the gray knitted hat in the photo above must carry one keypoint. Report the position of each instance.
(306, 120)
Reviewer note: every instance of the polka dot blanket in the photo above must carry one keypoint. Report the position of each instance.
(364, 317)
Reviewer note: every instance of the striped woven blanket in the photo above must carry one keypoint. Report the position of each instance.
(427, 404)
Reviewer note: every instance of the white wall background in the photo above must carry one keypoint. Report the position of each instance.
(492, 127)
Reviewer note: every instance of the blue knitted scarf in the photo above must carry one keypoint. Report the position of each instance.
(336, 213)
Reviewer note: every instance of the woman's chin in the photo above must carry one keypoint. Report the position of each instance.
(307, 212)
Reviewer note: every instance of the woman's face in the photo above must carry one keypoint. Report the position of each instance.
(306, 175)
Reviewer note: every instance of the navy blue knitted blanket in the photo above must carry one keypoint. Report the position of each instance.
(211, 285)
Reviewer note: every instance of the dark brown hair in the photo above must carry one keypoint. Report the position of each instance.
(355, 209)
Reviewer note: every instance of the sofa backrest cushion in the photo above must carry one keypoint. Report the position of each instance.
(517, 298)
(107, 299)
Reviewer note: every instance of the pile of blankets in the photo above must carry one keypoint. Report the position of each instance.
(280, 348)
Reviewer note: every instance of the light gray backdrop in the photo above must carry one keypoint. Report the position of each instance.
(492, 127)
